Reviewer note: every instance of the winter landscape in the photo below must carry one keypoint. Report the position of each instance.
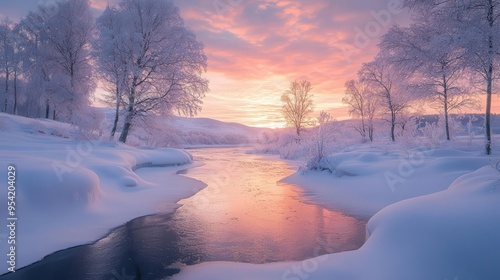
(168, 139)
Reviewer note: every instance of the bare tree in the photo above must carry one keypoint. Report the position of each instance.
(298, 105)
(476, 23)
(387, 88)
(17, 74)
(434, 62)
(6, 55)
(362, 105)
(112, 60)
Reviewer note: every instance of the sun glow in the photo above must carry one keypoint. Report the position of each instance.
(250, 65)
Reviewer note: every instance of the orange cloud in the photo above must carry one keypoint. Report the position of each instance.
(270, 43)
(256, 47)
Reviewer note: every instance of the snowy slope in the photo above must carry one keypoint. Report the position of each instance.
(205, 124)
(188, 132)
(71, 191)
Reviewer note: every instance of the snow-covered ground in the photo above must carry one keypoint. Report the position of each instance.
(70, 192)
(435, 214)
(370, 177)
(433, 210)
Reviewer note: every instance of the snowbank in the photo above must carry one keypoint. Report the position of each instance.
(452, 234)
(369, 178)
(71, 192)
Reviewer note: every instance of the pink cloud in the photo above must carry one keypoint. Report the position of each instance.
(254, 40)
(259, 46)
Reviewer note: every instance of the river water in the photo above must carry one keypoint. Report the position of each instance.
(245, 214)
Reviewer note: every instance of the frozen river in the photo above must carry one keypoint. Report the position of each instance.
(244, 214)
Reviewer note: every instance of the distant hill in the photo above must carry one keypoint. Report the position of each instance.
(188, 132)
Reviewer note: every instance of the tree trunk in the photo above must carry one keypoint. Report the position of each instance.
(117, 113)
(15, 93)
(370, 132)
(126, 127)
(393, 125)
(6, 88)
(124, 134)
(489, 77)
(115, 122)
(487, 116)
(445, 98)
(363, 127)
(129, 117)
(47, 110)
(446, 117)
(446, 123)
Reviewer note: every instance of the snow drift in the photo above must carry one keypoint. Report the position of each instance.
(72, 191)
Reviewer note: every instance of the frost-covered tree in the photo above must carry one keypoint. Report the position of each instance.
(69, 33)
(35, 67)
(6, 59)
(17, 74)
(322, 138)
(362, 105)
(477, 24)
(112, 59)
(323, 134)
(298, 105)
(429, 53)
(164, 62)
(388, 88)
(58, 57)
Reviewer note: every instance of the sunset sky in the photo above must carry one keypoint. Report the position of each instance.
(256, 47)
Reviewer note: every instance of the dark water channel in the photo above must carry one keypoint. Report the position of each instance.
(243, 215)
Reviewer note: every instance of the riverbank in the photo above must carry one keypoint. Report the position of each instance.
(244, 214)
(368, 178)
(434, 219)
(72, 191)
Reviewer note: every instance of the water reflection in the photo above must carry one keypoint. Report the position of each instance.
(250, 217)
(242, 215)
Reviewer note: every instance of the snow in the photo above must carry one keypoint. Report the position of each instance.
(439, 222)
(432, 211)
(369, 178)
(71, 192)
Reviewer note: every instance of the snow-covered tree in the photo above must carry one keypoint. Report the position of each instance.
(431, 56)
(321, 141)
(35, 67)
(362, 105)
(477, 25)
(17, 74)
(6, 59)
(69, 33)
(112, 59)
(164, 62)
(57, 48)
(323, 135)
(298, 105)
(389, 89)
